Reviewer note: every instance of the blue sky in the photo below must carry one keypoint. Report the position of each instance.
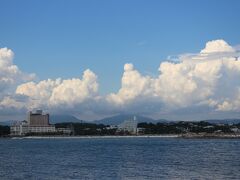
(126, 45)
(63, 38)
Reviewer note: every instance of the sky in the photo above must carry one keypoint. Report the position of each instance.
(99, 58)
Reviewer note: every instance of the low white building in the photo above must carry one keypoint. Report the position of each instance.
(129, 126)
(65, 131)
(235, 130)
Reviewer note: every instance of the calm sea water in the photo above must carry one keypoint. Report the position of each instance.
(120, 158)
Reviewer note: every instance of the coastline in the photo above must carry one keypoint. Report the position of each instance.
(183, 136)
(95, 137)
(210, 136)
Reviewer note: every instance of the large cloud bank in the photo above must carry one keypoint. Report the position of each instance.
(207, 80)
(10, 77)
(55, 93)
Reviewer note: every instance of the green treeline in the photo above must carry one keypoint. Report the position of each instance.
(4, 130)
(186, 127)
(87, 128)
(183, 127)
(151, 128)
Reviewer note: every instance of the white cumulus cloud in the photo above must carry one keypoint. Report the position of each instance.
(60, 93)
(206, 82)
(217, 46)
(10, 75)
(212, 81)
(134, 85)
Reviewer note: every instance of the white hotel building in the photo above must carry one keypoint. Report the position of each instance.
(37, 122)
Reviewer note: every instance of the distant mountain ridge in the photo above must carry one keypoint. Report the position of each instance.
(53, 119)
(7, 123)
(63, 118)
(223, 121)
(118, 119)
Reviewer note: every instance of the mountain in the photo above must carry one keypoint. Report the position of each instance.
(223, 121)
(116, 120)
(63, 118)
(53, 120)
(7, 123)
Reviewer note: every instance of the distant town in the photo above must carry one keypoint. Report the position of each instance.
(37, 124)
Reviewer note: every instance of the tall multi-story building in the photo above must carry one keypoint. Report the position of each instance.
(37, 122)
(38, 118)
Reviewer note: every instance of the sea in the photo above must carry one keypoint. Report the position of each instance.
(119, 158)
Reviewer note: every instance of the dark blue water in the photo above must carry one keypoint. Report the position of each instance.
(120, 158)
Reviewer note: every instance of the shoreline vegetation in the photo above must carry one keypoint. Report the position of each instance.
(182, 129)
